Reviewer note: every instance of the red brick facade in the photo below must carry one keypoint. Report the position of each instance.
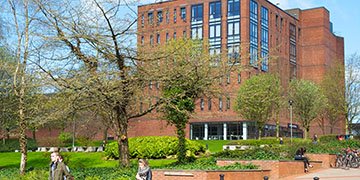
(317, 48)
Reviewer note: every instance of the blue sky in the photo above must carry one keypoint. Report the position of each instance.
(343, 14)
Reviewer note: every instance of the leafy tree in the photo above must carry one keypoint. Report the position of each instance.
(187, 73)
(258, 98)
(308, 102)
(334, 92)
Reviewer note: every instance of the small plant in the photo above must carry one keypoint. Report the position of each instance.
(65, 138)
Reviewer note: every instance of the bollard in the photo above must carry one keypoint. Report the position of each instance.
(266, 178)
(221, 176)
(316, 178)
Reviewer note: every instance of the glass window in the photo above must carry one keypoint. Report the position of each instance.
(215, 10)
(234, 130)
(197, 12)
(209, 104)
(228, 104)
(160, 16)
(253, 33)
(220, 104)
(202, 104)
(216, 131)
(264, 38)
(167, 16)
(142, 20)
(234, 54)
(233, 7)
(151, 17)
(239, 78)
(158, 38)
(174, 35)
(183, 13)
(175, 15)
(151, 40)
(198, 131)
(184, 34)
(167, 37)
(142, 40)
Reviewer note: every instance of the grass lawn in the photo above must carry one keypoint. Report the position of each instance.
(78, 160)
(214, 145)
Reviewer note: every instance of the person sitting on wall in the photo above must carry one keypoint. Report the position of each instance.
(300, 155)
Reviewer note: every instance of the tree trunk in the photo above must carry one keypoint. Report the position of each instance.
(34, 134)
(22, 138)
(105, 134)
(181, 155)
(122, 139)
(306, 132)
(259, 133)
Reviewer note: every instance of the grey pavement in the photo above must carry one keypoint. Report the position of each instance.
(332, 174)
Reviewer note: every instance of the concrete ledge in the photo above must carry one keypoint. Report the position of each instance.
(178, 174)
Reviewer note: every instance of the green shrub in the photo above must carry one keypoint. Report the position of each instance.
(13, 144)
(267, 141)
(208, 163)
(65, 138)
(154, 147)
(328, 138)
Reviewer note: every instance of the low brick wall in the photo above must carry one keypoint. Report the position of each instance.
(279, 169)
(208, 175)
(328, 160)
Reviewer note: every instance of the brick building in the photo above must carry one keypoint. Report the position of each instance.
(252, 33)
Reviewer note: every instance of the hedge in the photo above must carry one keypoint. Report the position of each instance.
(13, 144)
(154, 147)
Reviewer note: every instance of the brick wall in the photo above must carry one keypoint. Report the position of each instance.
(208, 175)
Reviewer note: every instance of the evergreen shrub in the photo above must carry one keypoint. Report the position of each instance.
(154, 147)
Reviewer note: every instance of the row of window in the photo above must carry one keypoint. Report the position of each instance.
(228, 80)
(210, 102)
(160, 18)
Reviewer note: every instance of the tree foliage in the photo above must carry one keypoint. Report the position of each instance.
(308, 101)
(334, 92)
(186, 75)
(258, 98)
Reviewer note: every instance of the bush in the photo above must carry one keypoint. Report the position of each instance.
(208, 164)
(154, 147)
(13, 144)
(65, 138)
(267, 141)
(328, 138)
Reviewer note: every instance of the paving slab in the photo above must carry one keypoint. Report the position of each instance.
(331, 174)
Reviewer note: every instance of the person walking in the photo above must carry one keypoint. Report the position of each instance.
(300, 155)
(58, 170)
(144, 171)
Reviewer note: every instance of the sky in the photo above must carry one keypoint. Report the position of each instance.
(344, 14)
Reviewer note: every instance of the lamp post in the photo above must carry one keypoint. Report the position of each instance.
(291, 132)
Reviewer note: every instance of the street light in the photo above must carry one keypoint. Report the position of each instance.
(291, 133)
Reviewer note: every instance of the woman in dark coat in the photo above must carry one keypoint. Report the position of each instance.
(300, 155)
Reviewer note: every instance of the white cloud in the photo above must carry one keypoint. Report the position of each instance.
(289, 4)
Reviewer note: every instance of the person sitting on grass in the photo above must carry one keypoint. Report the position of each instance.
(300, 155)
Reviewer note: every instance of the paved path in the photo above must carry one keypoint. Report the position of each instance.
(332, 174)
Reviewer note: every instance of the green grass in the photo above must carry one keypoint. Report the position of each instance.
(78, 160)
(215, 145)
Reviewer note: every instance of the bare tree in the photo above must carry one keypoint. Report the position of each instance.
(352, 90)
(22, 33)
(94, 44)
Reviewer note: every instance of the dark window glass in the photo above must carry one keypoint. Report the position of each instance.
(233, 7)
(215, 10)
(183, 13)
(151, 17)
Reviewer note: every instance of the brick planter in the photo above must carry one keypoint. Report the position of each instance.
(208, 175)
(278, 169)
(328, 160)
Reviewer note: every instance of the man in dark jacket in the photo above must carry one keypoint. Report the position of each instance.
(58, 170)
